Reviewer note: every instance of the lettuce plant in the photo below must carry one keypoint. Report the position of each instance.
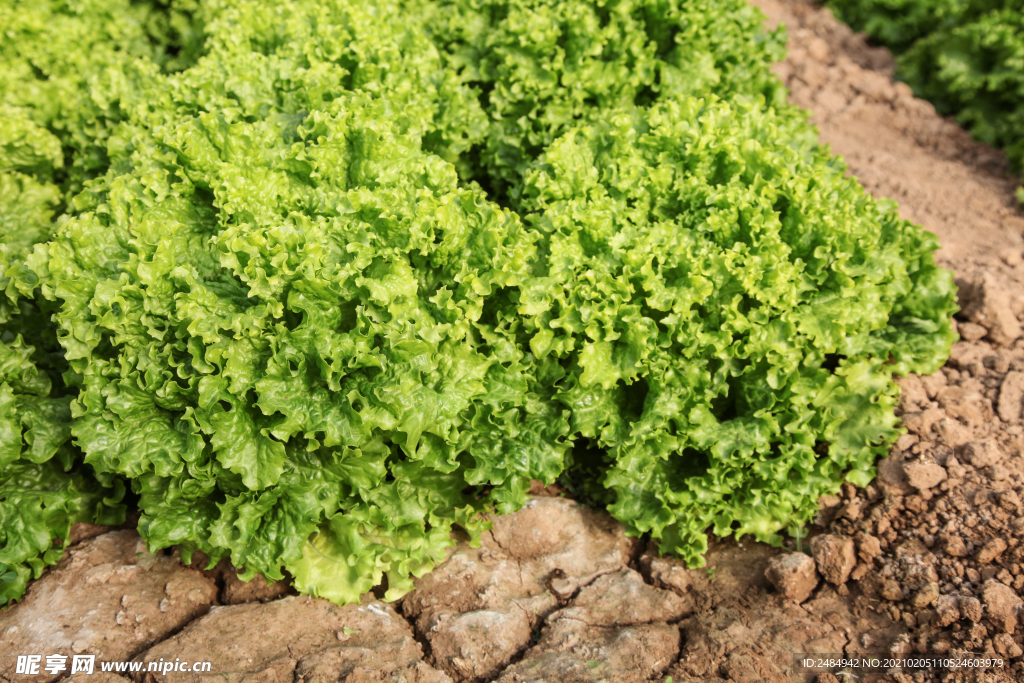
(541, 67)
(900, 23)
(975, 71)
(63, 69)
(964, 56)
(342, 277)
(731, 310)
(718, 307)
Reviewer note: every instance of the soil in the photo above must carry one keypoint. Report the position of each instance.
(927, 559)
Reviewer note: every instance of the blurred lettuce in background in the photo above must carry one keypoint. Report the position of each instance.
(964, 56)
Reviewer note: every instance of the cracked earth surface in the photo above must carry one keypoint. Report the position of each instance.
(928, 558)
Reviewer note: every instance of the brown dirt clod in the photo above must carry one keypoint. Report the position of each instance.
(984, 301)
(107, 597)
(1002, 605)
(835, 557)
(924, 475)
(793, 575)
(298, 638)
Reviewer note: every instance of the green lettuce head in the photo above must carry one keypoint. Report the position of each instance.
(722, 311)
(333, 278)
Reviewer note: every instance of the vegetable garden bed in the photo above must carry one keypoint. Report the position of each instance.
(561, 592)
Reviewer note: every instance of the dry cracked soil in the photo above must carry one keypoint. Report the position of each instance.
(927, 559)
